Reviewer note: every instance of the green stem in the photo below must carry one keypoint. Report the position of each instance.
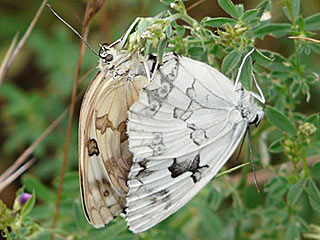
(232, 170)
(295, 41)
(291, 16)
(295, 168)
(185, 17)
(305, 164)
(294, 162)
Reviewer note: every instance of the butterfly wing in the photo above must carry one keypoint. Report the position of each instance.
(182, 130)
(104, 158)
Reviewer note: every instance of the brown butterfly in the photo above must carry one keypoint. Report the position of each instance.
(104, 158)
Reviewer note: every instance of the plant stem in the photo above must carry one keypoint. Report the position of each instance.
(305, 164)
(295, 41)
(294, 162)
(291, 15)
(84, 33)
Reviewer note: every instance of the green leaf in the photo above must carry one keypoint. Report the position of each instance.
(27, 207)
(303, 224)
(261, 58)
(315, 172)
(313, 118)
(273, 29)
(210, 223)
(295, 192)
(44, 233)
(215, 198)
(218, 22)
(168, 31)
(313, 149)
(315, 47)
(128, 32)
(295, 7)
(113, 231)
(196, 51)
(78, 216)
(301, 24)
(264, 6)
(229, 7)
(180, 30)
(280, 120)
(71, 181)
(276, 147)
(249, 15)
(240, 9)
(312, 22)
(277, 187)
(43, 192)
(246, 73)
(292, 232)
(314, 195)
(142, 26)
(167, 2)
(161, 49)
(230, 61)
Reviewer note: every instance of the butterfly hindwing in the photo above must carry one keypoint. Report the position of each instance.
(181, 132)
(104, 158)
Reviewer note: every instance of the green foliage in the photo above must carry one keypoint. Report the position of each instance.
(289, 204)
(15, 224)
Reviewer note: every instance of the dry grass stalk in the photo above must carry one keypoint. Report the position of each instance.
(90, 9)
(21, 42)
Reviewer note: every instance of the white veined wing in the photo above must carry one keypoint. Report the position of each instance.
(186, 125)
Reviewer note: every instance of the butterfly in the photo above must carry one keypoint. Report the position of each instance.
(104, 158)
(187, 123)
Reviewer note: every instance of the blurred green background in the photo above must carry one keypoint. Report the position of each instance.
(38, 87)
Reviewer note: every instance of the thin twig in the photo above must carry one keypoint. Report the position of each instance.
(305, 38)
(16, 174)
(84, 33)
(71, 9)
(23, 40)
(31, 148)
(95, 7)
(194, 5)
(231, 170)
(7, 57)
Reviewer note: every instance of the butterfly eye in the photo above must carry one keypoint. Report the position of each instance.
(109, 58)
(103, 51)
(256, 120)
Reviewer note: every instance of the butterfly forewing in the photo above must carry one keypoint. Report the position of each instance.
(185, 126)
(104, 158)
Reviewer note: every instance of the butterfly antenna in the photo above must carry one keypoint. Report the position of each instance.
(75, 31)
(252, 164)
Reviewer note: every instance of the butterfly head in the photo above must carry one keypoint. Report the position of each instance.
(107, 54)
(249, 108)
(256, 114)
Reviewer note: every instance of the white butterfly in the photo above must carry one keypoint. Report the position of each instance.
(186, 125)
(104, 158)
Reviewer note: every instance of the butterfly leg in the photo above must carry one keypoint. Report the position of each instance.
(155, 69)
(148, 70)
(261, 97)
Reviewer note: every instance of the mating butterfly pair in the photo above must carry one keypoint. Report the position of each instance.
(152, 136)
